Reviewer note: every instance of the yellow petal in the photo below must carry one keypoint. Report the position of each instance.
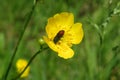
(21, 64)
(51, 28)
(74, 35)
(50, 43)
(26, 72)
(65, 51)
(62, 21)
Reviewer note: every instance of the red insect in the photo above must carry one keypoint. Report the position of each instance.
(58, 36)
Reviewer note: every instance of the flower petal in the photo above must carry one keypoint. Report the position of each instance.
(51, 28)
(50, 43)
(65, 51)
(62, 21)
(74, 35)
(20, 65)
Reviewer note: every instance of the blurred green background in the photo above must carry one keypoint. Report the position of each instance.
(92, 60)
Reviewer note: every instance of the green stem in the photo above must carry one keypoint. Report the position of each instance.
(30, 61)
(18, 43)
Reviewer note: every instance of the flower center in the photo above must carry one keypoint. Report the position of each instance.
(58, 36)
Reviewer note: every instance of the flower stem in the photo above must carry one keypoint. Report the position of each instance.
(19, 41)
(30, 61)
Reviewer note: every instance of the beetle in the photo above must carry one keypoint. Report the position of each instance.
(58, 36)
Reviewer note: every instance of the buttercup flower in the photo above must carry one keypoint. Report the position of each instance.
(20, 65)
(62, 33)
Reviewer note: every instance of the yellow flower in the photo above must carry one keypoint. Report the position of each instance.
(62, 33)
(20, 65)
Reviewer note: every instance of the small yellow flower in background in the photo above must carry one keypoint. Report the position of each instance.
(20, 65)
(62, 33)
